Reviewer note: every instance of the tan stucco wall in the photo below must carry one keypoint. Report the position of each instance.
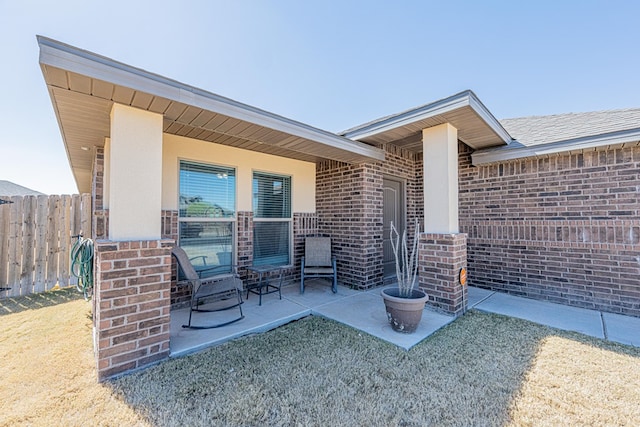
(135, 155)
(176, 148)
(440, 154)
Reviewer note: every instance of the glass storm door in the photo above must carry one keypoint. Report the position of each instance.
(393, 210)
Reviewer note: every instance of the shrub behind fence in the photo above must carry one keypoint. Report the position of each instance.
(35, 241)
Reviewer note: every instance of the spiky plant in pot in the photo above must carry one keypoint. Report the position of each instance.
(406, 263)
(404, 303)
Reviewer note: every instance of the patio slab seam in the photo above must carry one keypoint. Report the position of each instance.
(314, 306)
(622, 329)
(483, 299)
(604, 327)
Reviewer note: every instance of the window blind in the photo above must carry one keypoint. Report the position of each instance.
(206, 218)
(207, 191)
(272, 219)
(271, 196)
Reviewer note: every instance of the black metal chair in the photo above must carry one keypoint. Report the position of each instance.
(224, 289)
(318, 262)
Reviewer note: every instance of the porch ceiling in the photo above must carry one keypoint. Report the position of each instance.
(83, 87)
(476, 125)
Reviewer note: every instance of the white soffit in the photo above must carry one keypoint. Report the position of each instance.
(477, 127)
(74, 74)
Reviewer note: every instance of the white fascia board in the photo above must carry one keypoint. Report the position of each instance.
(66, 57)
(518, 151)
(439, 107)
(454, 102)
(489, 119)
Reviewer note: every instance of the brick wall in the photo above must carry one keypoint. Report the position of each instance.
(349, 208)
(419, 187)
(169, 224)
(131, 296)
(245, 239)
(304, 224)
(180, 296)
(441, 257)
(349, 203)
(564, 228)
(100, 216)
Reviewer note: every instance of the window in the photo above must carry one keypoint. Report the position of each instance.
(271, 219)
(207, 214)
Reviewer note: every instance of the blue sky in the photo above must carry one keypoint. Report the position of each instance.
(331, 64)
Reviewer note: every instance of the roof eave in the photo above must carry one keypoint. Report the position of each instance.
(488, 118)
(519, 151)
(61, 55)
(454, 102)
(82, 187)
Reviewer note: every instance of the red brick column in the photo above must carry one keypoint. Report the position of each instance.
(441, 256)
(131, 305)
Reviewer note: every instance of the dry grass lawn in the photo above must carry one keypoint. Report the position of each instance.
(47, 371)
(480, 370)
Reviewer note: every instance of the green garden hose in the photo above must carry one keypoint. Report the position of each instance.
(82, 265)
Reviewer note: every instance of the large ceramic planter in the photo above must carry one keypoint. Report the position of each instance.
(404, 314)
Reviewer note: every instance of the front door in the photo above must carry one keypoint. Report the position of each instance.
(393, 210)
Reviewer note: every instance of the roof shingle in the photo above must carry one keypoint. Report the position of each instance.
(536, 130)
(8, 189)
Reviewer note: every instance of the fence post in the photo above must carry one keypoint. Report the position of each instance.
(41, 244)
(52, 243)
(15, 245)
(64, 243)
(5, 211)
(28, 231)
(87, 214)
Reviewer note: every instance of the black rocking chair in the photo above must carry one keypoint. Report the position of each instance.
(225, 287)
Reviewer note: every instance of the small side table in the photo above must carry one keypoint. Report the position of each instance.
(265, 274)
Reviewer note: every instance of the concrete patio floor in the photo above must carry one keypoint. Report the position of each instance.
(364, 310)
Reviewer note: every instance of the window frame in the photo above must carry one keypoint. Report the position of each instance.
(233, 220)
(288, 220)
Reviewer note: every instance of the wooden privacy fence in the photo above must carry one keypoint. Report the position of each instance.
(35, 241)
